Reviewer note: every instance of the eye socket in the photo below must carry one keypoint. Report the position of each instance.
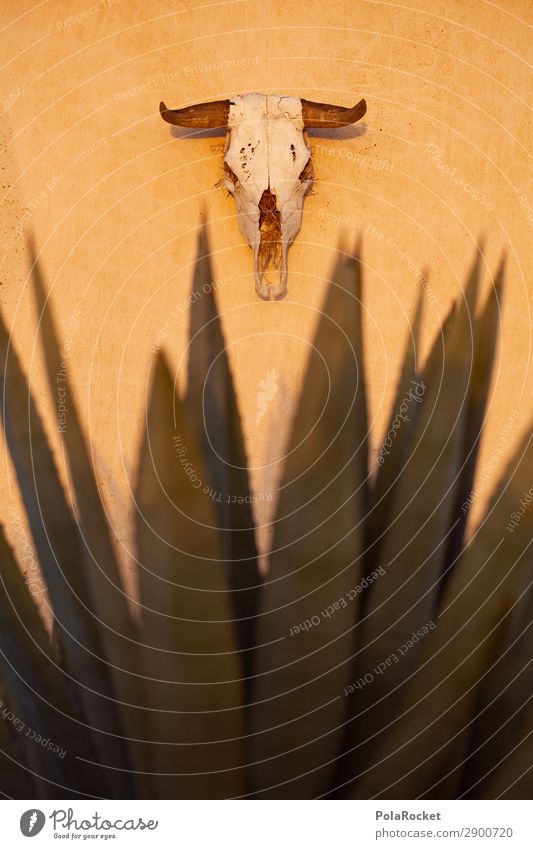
(307, 173)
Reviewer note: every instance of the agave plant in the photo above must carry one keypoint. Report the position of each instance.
(384, 654)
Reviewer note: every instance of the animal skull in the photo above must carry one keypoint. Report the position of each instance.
(267, 168)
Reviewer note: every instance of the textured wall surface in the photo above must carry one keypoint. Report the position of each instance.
(442, 157)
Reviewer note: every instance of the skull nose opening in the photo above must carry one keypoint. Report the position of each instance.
(270, 253)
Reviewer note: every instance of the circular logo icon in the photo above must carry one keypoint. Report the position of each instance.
(32, 822)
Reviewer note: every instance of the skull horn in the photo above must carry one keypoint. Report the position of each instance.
(324, 115)
(202, 116)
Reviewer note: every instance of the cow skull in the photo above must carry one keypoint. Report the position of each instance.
(267, 168)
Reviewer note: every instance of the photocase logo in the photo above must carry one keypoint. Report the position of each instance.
(32, 822)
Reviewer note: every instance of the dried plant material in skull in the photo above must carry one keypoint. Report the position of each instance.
(270, 231)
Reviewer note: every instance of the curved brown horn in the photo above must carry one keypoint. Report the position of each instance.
(326, 115)
(205, 116)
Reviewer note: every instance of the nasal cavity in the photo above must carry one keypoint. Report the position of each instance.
(270, 253)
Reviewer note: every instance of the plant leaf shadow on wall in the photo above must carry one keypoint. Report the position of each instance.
(384, 654)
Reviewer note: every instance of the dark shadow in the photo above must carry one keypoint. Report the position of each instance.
(352, 131)
(187, 133)
(213, 408)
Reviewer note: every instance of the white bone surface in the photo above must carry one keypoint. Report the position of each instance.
(266, 149)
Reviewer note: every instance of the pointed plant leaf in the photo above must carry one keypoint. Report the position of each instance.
(39, 701)
(212, 408)
(432, 643)
(435, 360)
(310, 597)
(485, 348)
(503, 702)
(191, 655)
(392, 458)
(400, 606)
(60, 551)
(108, 601)
(16, 779)
(418, 751)
(512, 779)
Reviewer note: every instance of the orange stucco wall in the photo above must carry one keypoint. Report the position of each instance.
(114, 199)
